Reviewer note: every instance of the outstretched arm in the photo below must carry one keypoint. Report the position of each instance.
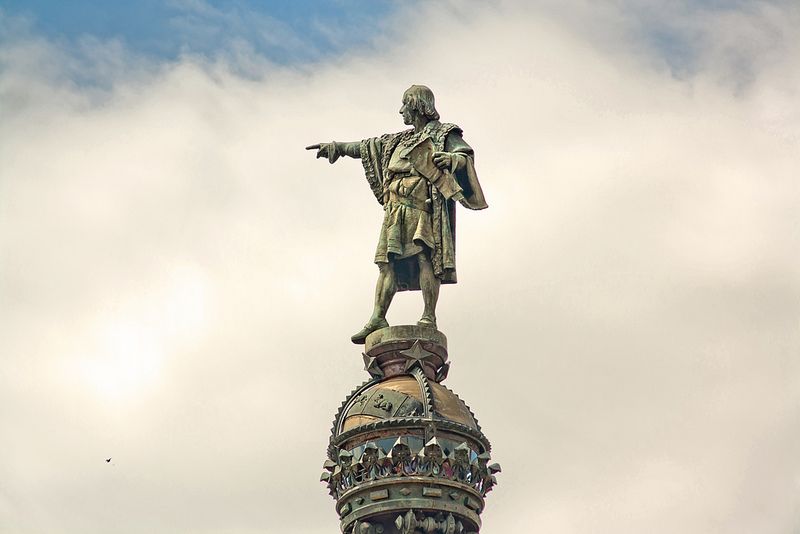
(333, 150)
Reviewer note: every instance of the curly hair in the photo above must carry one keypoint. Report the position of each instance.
(420, 98)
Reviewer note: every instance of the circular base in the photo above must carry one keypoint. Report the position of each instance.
(397, 348)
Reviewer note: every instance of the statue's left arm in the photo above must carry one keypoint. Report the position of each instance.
(455, 154)
(459, 159)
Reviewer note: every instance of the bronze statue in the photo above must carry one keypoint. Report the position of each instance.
(417, 175)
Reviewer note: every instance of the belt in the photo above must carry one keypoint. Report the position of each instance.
(416, 203)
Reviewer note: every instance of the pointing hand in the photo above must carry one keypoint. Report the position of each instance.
(325, 150)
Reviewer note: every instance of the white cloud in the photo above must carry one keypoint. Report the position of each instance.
(625, 326)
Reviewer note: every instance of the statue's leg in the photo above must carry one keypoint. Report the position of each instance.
(385, 289)
(384, 292)
(429, 285)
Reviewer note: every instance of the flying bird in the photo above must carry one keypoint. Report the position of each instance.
(108, 460)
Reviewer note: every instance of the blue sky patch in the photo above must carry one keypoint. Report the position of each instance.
(284, 32)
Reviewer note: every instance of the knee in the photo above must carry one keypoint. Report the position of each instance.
(424, 261)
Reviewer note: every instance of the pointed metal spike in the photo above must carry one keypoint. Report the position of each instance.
(442, 372)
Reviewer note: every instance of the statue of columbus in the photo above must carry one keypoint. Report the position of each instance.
(417, 175)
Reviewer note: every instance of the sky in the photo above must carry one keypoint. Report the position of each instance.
(180, 278)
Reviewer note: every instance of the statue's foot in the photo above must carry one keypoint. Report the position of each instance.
(427, 320)
(360, 337)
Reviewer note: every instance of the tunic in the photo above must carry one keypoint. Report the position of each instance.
(417, 216)
(407, 223)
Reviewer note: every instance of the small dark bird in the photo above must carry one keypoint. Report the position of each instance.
(108, 460)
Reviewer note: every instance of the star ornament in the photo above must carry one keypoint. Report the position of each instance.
(416, 355)
(371, 366)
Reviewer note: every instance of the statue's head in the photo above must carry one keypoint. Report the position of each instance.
(418, 99)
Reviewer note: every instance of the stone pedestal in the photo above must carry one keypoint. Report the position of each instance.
(394, 349)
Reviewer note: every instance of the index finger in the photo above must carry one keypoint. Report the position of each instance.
(313, 147)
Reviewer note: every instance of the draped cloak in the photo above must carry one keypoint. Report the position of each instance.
(376, 154)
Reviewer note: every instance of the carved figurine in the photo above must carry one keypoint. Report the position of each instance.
(327, 476)
(347, 476)
(431, 459)
(402, 461)
(460, 463)
(336, 480)
(482, 475)
(417, 175)
(370, 463)
(492, 480)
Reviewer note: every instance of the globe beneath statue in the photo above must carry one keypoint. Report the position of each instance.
(406, 454)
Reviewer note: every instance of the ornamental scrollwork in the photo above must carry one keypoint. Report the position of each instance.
(431, 461)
